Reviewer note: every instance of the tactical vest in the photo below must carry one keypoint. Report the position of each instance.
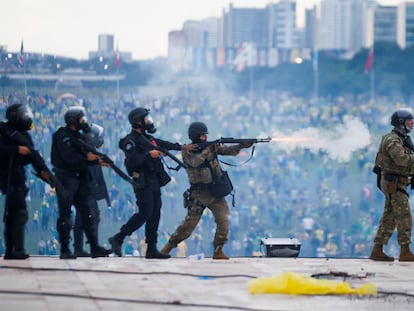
(394, 157)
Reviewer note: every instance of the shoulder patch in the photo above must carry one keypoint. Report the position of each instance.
(129, 145)
(67, 141)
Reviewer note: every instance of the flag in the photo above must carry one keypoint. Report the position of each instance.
(242, 57)
(240, 61)
(117, 58)
(21, 55)
(220, 57)
(370, 61)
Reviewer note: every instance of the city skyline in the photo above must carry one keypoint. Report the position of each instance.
(71, 29)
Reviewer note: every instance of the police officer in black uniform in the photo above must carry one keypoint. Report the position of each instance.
(99, 191)
(13, 159)
(143, 163)
(71, 168)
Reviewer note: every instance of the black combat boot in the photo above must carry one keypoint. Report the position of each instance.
(63, 227)
(16, 256)
(116, 244)
(8, 241)
(17, 239)
(65, 253)
(78, 243)
(100, 251)
(153, 253)
(135, 222)
(96, 249)
(81, 253)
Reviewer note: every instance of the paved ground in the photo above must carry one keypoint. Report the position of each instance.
(135, 283)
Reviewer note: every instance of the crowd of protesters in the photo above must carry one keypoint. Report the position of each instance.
(331, 206)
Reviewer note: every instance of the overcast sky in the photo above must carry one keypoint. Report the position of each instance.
(71, 27)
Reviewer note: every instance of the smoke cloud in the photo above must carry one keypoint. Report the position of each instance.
(339, 143)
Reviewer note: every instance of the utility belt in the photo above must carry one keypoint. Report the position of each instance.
(397, 178)
(66, 172)
(392, 183)
(199, 186)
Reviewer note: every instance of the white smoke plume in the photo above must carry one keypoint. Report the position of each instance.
(339, 143)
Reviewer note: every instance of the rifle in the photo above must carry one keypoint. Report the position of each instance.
(89, 148)
(53, 181)
(231, 140)
(163, 150)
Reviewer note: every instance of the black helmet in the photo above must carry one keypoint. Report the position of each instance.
(195, 130)
(76, 116)
(140, 118)
(400, 116)
(398, 119)
(20, 117)
(94, 135)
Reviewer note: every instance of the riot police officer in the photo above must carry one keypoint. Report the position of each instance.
(99, 191)
(144, 164)
(395, 164)
(71, 168)
(201, 165)
(13, 159)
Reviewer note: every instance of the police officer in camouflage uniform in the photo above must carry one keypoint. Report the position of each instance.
(395, 159)
(200, 178)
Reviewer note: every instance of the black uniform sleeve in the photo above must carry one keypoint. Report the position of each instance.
(168, 145)
(36, 158)
(6, 149)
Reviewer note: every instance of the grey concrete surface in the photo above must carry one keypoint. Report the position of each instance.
(136, 283)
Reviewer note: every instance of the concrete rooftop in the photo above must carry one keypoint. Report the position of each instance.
(135, 283)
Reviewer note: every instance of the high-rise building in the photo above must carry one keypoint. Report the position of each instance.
(242, 25)
(106, 43)
(310, 29)
(245, 37)
(106, 49)
(194, 45)
(281, 26)
(385, 24)
(342, 24)
(405, 24)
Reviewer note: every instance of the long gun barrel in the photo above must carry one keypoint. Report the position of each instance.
(85, 146)
(231, 140)
(53, 180)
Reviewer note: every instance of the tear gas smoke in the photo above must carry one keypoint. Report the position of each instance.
(339, 143)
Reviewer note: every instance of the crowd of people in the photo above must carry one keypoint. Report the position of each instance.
(331, 206)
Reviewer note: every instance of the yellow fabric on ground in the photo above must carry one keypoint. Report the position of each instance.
(295, 284)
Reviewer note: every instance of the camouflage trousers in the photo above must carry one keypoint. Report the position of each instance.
(201, 199)
(397, 215)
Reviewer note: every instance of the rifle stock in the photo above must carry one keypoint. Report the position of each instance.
(53, 180)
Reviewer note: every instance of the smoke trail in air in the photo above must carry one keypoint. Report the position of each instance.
(339, 143)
